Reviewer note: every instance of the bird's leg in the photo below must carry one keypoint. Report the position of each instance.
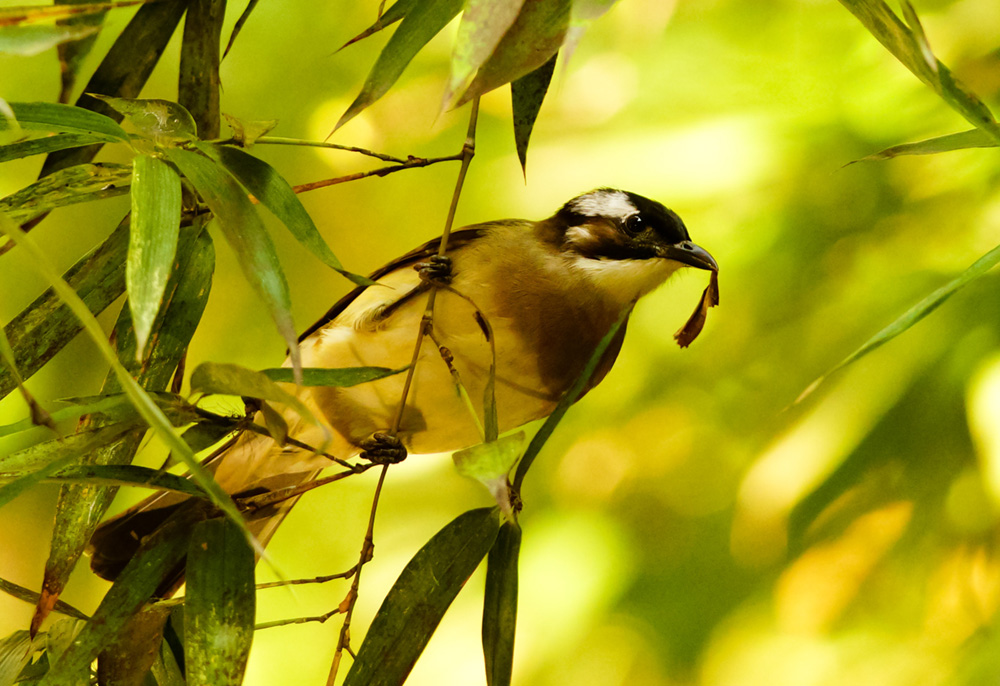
(383, 448)
(436, 271)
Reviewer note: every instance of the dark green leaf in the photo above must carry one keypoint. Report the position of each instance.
(913, 315)
(158, 555)
(124, 70)
(47, 116)
(165, 669)
(81, 183)
(418, 600)
(199, 85)
(44, 327)
(207, 433)
(535, 36)
(156, 218)
(37, 416)
(500, 605)
(909, 46)
(348, 376)
(127, 475)
(220, 604)
(47, 144)
(15, 652)
(29, 596)
(398, 10)
(422, 22)
(32, 40)
(161, 120)
(232, 379)
(526, 95)
(239, 26)
(483, 24)
(274, 193)
(96, 405)
(128, 657)
(975, 138)
(73, 53)
(577, 389)
(246, 234)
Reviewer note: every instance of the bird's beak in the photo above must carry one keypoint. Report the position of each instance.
(692, 255)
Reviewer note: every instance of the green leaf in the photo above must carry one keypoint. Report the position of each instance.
(33, 40)
(47, 144)
(198, 88)
(500, 605)
(246, 235)
(126, 475)
(399, 9)
(158, 555)
(418, 600)
(574, 392)
(422, 22)
(162, 120)
(128, 657)
(156, 219)
(38, 416)
(526, 95)
(238, 26)
(96, 405)
(583, 14)
(47, 116)
(490, 463)
(16, 651)
(483, 24)
(14, 16)
(534, 37)
(246, 133)
(908, 45)
(342, 378)
(73, 53)
(975, 138)
(232, 379)
(220, 604)
(274, 193)
(29, 596)
(912, 315)
(44, 327)
(81, 183)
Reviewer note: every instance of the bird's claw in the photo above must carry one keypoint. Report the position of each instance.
(437, 270)
(383, 448)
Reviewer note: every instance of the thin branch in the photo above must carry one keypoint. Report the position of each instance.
(298, 620)
(281, 140)
(258, 429)
(257, 502)
(411, 163)
(314, 580)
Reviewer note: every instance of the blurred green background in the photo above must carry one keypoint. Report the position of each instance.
(688, 523)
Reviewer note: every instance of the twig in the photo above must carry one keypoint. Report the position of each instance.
(258, 429)
(281, 140)
(411, 163)
(314, 580)
(258, 502)
(298, 620)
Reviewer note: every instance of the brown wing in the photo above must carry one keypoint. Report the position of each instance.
(457, 239)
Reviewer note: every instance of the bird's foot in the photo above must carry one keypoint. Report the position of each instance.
(436, 271)
(383, 448)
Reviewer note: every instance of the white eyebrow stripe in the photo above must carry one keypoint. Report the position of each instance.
(604, 204)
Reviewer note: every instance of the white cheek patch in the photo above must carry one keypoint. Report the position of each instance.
(604, 204)
(624, 280)
(578, 235)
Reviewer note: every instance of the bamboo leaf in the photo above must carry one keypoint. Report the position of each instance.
(73, 53)
(526, 95)
(908, 45)
(399, 9)
(231, 379)
(583, 14)
(129, 656)
(29, 596)
(274, 193)
(483, 24)
(418, 600)
(238, 26)
(161, 120)
(14, 16)
(47, 144)
(38, 416)
(58, 118)
(343, 378)
(33, 40)
(97, 405)
(220, 604)
(16, 651)
(156, 218)
(81, 183)
(489, 463)
(246, 235)
(422, 22)
(198, 87)
(534, 37)
(912, 315)
(126, 475)
(975, 138)
(571, 396)
(500, 605)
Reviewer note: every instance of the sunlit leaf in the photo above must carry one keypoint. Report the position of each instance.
(500, 605)
(47, 116)
(274, 193)
(483, 24)
(247, 236)
(422, 22)
(489, 463)
(526, 95)
(161, 120)
(418, 600)
(231, 379)
(156, 219)
(584, 12)
(220, 604)
(909, 46)
(344, 377)
(398, 10)
(246, 133)
(34, 39)
(976, 138)
(570, 397)
(47, 144)
(81, 183)
(913, 315)
(534, 37)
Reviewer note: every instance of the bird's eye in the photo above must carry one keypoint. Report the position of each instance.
(634, 224)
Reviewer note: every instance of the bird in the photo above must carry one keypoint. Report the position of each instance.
(536, 297)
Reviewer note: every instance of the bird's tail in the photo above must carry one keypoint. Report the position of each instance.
(248, 465)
